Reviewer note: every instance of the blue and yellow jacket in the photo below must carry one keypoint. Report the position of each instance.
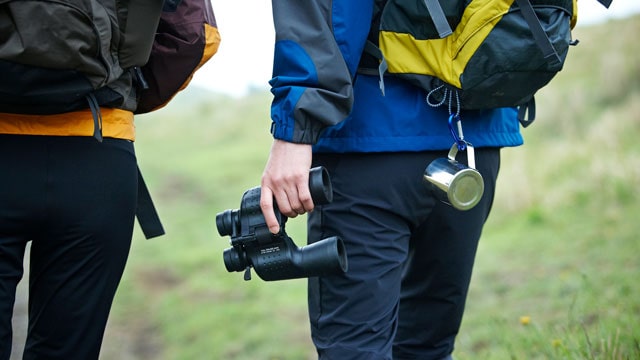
(320, 99)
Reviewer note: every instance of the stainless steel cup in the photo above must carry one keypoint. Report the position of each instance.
(454, 183)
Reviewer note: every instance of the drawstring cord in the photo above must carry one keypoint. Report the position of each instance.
(448, 94)
(97, 116)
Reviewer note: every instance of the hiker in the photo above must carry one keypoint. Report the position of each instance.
(70, 184)
(410, 255)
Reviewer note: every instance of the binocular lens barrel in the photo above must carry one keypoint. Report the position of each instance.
(225, 222)
(325, 257)
(233, 261)
(320, 186)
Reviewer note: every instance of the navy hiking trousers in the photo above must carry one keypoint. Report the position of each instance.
(74, 198)
(410, 258)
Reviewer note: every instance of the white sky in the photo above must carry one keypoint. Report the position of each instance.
(244, 59)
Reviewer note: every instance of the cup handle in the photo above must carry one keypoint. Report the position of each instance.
(453, 152)
(471, 156)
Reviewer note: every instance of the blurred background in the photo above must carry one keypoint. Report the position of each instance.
(557, 270)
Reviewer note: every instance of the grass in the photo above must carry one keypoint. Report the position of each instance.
(556, 270)
(556, 275)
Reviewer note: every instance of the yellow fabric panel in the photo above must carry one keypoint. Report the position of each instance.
(444, 58)
(404, 54)
(213, 43)
(574, 18)
(116, 123)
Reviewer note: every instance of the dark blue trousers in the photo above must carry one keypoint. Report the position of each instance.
(410, 258)
(74, 199)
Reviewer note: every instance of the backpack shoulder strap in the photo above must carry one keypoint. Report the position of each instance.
(438, 17)
(540, 36)
(138, 30)
(373, 50)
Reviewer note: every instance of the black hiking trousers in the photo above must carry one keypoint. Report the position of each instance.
(410, 257)
(74, 198)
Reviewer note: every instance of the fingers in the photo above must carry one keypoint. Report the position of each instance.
(293, 196)
(285, 180)
(304, 197)
(266, 205)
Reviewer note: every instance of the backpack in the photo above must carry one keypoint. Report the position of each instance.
(472, 54)
(133, 55)
(186, 38)
(86, 54)
(77, 54)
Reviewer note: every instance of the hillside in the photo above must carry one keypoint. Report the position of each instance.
(556, 273)
(560, 246)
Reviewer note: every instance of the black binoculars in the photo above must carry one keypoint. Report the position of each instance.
(276, 256)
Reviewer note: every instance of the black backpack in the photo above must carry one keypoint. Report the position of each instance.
(472, 54)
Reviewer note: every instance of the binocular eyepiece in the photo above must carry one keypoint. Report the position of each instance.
(276, 256)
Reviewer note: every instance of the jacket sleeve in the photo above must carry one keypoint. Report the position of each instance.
(317, 51)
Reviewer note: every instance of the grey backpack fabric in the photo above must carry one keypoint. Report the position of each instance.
(62, 56)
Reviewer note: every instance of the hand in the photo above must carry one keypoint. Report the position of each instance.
(286, 178)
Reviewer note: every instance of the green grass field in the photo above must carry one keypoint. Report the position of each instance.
(556, 274)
